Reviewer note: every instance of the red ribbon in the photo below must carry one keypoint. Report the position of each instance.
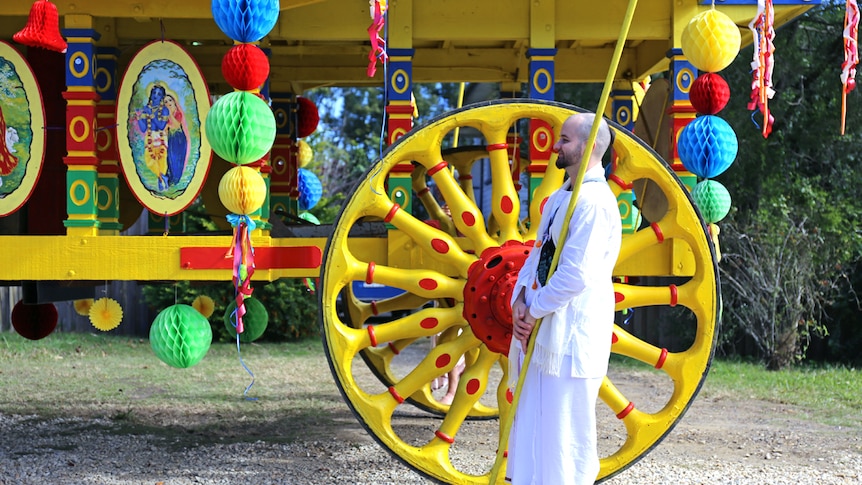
(378, 44)
(243, 256)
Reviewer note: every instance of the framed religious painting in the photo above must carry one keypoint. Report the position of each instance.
(162, 103)
(22, 130)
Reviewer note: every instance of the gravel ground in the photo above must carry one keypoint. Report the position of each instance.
(700, 450)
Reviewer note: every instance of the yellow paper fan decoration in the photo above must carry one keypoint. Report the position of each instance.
(106, 314)
(204, 305)
(82, 307)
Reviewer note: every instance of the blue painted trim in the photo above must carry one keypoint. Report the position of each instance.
(82, 33)
(541, 52)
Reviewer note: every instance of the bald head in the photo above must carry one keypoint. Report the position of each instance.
(583, 124)
(573, 140)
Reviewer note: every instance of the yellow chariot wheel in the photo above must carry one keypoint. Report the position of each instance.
(455, 283)
(358, 312)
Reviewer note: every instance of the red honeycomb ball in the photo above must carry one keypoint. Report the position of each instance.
(307, 117)
(245, 67)
(34, 322)
(709, 93)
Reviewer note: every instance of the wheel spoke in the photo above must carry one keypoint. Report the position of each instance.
(424, 323)
(436, 243)
(440, 360)
(429, 202)
(360, 311)
(506, 206)
(473, 383)
(465, 214)
(626, 344)
(422, 282)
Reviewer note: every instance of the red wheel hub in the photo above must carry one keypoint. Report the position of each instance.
(488, 293)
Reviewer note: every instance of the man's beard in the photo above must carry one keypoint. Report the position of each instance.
(562, 161)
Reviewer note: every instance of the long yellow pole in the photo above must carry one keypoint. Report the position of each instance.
(588, 151)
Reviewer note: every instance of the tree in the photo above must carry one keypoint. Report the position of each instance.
(792, 234)
(348, 140)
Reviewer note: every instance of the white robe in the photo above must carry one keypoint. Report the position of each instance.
(553, 437)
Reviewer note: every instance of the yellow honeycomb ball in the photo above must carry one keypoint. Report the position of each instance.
(305, 153)
(711, 41)
(242, 190)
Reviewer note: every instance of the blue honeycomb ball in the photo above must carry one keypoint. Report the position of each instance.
(713, 200)
(310, 189)
(245, 20)
(707, 146)
(180, 336)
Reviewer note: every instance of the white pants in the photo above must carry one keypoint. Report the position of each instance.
(553, 438)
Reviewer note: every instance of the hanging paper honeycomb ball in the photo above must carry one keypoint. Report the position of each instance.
(106, 314)
(245, 67)
(82, 307)
(245, 20)
(180, 336)
(709, 93)
(242, 190)
(707, 146)
(34, 322)
(254, 321)
(711, 41)
(308, 216)
(307, 117)
(240, 127)
(713, 200)
(205, 305)
(310, 189)
(306, 154)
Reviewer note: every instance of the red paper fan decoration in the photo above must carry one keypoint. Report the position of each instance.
(245, 67)
(42, 28)
(709, 93)
(34, 322)
(307, 117)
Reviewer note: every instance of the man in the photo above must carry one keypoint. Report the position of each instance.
(553, 439)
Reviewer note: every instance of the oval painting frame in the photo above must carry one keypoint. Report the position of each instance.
(22, 130)
(162, 104)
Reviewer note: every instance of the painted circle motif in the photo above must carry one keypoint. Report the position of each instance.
(104, 80)
(79, 192)
(22, 139)
(400, 81)
(162, 103)
(684, 80)
(542, 81)
(624, 115)
(79, 65)
(542, 139)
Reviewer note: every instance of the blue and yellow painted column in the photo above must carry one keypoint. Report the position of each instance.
(284, 158)
(108, 188)
(681, 112)
(81, 159)
(399, 89)
(623, 110)
(541, 133)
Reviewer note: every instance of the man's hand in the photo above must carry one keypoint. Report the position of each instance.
(522, 321)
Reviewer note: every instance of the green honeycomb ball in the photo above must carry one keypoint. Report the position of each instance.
(713, 200)
(180, 336)
(254, 321)
(240, 127)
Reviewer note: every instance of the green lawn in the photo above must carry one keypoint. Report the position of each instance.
(101, 375)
